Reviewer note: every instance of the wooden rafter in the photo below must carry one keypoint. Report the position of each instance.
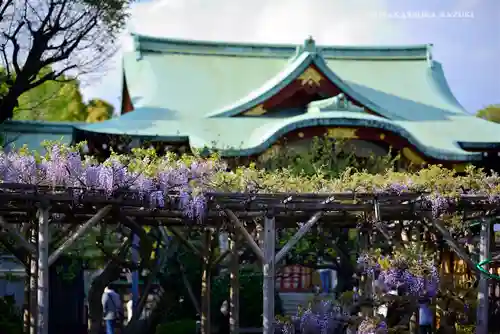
(193, 248)
(247, 237)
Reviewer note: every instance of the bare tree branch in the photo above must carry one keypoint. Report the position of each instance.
(65, 36)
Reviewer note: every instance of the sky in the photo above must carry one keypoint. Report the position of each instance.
(465, 33)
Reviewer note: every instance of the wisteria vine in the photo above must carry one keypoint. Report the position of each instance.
(153, 177)
(409, 271)
(321, 317)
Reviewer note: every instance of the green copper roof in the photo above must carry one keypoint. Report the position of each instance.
(202, 78)
(246, 136)
(34, 133)
(188, 90)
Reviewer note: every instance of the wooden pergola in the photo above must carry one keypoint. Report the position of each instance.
(233, 213)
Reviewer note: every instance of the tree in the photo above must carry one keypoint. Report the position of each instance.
(67, 36)
(98, 110)
(60, 101)
(52, 101)
(490, 113)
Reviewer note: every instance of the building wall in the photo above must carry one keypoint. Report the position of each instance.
(12, 278)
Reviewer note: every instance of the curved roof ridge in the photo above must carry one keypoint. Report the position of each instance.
(150, 43)
(286, 76)
(438, 80)
(257, 138)
(269, 88)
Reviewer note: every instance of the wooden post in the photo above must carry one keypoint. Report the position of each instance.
(365, 287)
(234, 292)
(482, 295)
(33, 277)
(43, 270)
(206, 327)
(26, 303)
(19, 238)
(268, 271)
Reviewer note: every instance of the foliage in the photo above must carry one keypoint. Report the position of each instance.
(65, 36)
(409, 267)
(154, 178)
(466, 329)
(191, 263)
(187, 326)
(372, 326)
(490, 113)
(51, 101)
(328, 316)
(323, 155)
(10, 316)
(98, 111)
(60, 101)
(250, 296)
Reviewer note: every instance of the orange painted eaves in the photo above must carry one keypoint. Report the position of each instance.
(126, 102)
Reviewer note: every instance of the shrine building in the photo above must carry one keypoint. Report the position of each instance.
(242, 99)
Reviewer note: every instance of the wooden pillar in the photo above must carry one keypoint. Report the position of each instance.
(482, 295)
(43, 271)
(365, 286)
(269, 274)
(234, 292)
(33, 282)
(26, 302)
(206, 327)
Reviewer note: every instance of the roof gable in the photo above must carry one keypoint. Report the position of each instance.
(308, 72)
(200, 79)
(146, 44)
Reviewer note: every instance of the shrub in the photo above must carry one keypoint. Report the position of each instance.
(11, 320)
(185, 326)
(250, 297)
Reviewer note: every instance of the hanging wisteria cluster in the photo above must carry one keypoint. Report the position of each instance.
(153, 177)
(410, 271)
(321, 317)
(327, 317)
(372, 326)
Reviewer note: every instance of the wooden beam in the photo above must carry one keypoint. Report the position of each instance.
(189, 288)
(16, 235)
(43, 270)
(378, 222)
(234, 289)
(483, 291)
(206, 325)
(195, 250)
(268, 285)
(457, 248)
(21, 254)
(248, 238)
(226, 253)
(187, 284)
(80, 232)
(297, 236)
(169, 250)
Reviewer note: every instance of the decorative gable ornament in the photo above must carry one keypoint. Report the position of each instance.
(336, 103)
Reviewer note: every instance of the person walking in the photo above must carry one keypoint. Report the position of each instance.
(326, 275)
(112, 310)
(425, 317)
(224, 327)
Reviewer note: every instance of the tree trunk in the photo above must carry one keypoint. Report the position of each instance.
(110, 273)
